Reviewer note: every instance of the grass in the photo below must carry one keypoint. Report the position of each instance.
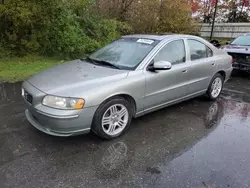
(18, 69)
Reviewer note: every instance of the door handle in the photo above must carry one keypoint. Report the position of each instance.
(213, 64)
(184, 71)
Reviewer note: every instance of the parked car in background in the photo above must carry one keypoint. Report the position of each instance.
(239, 49)
(130, 77)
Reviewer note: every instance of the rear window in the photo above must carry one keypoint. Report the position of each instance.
(198, 50)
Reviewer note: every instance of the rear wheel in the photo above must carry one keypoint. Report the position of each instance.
(112, 118)
(215, 87)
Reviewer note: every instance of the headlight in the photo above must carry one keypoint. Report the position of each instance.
(63, 102)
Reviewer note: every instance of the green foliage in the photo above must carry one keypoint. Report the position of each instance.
(77, 27)
(179, 12)
(55, 28)
(150, 16)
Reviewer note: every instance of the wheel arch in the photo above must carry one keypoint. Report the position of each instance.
(222, 73)
(127, 97)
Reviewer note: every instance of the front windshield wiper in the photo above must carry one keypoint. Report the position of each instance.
(100, 62)
(89, 60)
(107, 63)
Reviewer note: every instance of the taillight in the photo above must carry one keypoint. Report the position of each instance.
(232, 60)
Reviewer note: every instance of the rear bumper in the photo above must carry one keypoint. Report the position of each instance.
(228, 73)
(241, 60)
(243, 67)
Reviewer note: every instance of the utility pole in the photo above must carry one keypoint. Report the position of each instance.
(215, 10)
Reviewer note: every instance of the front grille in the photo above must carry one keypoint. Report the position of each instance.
(28, 97)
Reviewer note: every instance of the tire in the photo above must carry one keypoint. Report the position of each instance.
(212, 96)
(116, 124)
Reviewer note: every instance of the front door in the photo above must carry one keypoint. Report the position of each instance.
(166, 86)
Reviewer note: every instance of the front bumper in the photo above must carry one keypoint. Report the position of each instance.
(56, 122)
(49, 131)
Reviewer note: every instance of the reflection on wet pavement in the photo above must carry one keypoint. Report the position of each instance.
(192, 144)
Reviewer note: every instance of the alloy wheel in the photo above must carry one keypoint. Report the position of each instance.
(115, 119)
(216, 87)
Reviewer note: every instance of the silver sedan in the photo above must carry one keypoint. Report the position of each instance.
(130, 77)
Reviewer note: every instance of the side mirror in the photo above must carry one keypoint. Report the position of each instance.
(161, 65)
(227, 43)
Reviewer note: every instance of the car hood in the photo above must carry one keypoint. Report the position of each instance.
(237, 49)
(75, 74)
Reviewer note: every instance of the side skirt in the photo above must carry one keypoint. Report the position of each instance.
(169, 103)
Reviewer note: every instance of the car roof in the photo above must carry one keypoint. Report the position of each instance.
(157, 37)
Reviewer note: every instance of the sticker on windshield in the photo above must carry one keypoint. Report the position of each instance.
(145, 41)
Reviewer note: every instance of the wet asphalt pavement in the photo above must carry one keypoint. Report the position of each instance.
(192, 144)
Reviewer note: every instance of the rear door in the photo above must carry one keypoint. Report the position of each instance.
(202, 66)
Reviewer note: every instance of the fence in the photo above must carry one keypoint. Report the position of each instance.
(225, 30)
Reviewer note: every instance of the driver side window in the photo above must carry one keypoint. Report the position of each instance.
(174, 52)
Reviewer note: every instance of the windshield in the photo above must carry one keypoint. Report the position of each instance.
(242, 40)
(125, 53)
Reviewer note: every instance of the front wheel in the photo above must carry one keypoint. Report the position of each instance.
(215, 87)
(112, 118)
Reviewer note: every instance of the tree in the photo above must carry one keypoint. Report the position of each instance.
(237, 11)
(150, 16)
(54, 28)
(228, 10)
(117, 9)
(175, 16)
(203, 10)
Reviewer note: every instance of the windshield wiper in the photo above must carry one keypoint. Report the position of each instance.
(101, 62)
(90, 60)
(107, 63)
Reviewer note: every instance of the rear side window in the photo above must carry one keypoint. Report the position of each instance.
(209, 52)
(198, 50)
(174, 52)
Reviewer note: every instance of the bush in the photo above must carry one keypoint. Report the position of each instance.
(54, 28)
(104, 30)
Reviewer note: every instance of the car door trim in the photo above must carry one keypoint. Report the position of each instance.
(154, 108)
(171, 88)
